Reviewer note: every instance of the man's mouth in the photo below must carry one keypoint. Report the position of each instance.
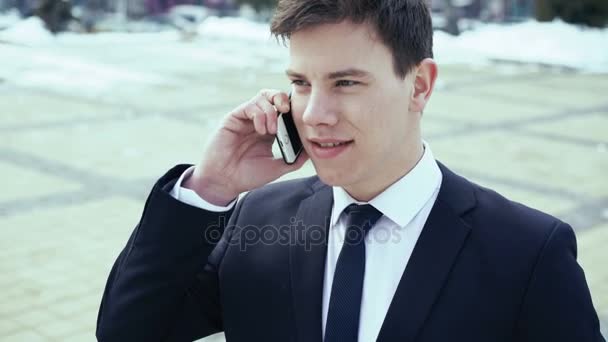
(333, 144)
(329, 148)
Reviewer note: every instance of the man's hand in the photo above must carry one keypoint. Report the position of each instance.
(239, 155)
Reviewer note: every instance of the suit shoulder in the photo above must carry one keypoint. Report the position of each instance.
(275, 201)
(510, 210)
(510, 236)
(293, 190)
(508, 220)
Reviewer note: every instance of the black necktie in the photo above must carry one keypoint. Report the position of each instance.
(342, 323)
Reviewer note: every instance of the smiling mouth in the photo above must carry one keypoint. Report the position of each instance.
(336, 144)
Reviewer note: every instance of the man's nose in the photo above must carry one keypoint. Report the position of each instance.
(320, 110)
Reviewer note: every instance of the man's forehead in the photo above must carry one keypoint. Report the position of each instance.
(344, 35)
(336, 63)
(341, 27)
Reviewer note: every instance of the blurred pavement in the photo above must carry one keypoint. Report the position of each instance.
(76, 169)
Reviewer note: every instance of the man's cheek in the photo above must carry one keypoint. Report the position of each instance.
(297, 118)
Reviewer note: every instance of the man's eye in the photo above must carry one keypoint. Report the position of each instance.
(299, 82)
(345, 83)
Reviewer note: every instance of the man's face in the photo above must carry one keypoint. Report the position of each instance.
(345, 90)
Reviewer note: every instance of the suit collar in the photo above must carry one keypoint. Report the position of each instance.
(307, 261)
(438, 247)
(457, 192)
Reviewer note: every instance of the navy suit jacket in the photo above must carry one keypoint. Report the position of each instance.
(484, 269)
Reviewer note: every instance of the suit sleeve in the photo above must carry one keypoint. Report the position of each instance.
(162, 287)
(557, 306)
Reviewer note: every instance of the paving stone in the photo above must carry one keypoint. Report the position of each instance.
(593, 84)
(67, 308)
(35, 317)
(469, 107)
(553, 97)
(25, 335)
(173, 98)
(15, 305)
(22, 183)
(589, 127)
(80, 337)
(9, 326)
(527, 160)
(58, 329)
(47, 280)
(464, 76)
(114, 149)
(433, 126)
(39, 109)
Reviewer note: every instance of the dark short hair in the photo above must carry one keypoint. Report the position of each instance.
(404, 26)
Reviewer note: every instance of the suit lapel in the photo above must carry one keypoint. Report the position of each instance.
(427, 270)
(307, 262)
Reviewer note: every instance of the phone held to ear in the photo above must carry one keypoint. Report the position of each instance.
(288, 138)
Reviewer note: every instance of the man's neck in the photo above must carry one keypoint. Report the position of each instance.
(365, 192)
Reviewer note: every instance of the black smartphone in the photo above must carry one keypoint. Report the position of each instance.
(288, 138)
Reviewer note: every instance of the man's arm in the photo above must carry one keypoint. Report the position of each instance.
(558, 306)
(159, 288)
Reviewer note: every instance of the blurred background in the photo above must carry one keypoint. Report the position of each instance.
(98, 98)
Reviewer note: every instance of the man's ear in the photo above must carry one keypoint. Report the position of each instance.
(424, 83)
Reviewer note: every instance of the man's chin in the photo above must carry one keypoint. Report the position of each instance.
(332, 177)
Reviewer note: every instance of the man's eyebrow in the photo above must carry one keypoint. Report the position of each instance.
(350, 72)
(291, 73)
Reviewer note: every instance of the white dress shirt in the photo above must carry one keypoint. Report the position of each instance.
(190, 197)
(405, 206)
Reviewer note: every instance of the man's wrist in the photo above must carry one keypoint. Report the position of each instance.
(208, 190)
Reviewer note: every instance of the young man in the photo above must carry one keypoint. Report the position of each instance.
(383, 244)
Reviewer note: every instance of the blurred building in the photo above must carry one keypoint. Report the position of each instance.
(25, 7)
(130, 8)
(162, 6)
(487, 10)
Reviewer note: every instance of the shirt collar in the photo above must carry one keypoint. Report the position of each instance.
(402, 200)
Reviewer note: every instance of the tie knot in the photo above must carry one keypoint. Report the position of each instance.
(360, 218)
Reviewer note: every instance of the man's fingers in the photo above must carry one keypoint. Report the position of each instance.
(263, 110)
(278, 98)
(260, 123)
(254, 113)
(271, 114)
(281, 101)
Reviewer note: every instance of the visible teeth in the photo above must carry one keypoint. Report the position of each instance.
(331, 144)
